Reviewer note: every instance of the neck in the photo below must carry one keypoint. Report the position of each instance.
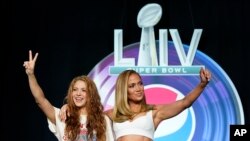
(83, 111)
(135, 107)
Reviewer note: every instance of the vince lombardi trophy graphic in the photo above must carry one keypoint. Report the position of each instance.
(147, 17)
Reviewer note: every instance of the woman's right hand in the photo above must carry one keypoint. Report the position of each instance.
(30, 65)
(64, 112)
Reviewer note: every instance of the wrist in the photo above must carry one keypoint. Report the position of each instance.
(203, 84)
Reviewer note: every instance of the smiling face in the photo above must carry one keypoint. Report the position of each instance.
(135, 88)
(79, 93)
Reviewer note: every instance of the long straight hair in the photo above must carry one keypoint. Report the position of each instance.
(122, 111)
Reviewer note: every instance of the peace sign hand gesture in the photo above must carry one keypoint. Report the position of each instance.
(30, 65)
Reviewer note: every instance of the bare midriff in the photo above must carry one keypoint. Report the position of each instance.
(133, 138)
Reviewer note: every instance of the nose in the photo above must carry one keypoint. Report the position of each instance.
(78, 92)
(138, 87)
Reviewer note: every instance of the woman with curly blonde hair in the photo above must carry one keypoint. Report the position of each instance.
(86, 121)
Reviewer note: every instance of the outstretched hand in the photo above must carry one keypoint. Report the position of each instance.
(30, 65)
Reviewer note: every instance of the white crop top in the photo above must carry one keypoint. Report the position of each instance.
(143, 126)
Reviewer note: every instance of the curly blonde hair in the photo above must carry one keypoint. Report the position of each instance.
(95, 117)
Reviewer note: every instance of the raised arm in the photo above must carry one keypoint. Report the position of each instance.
(166, 111)
(36, 90)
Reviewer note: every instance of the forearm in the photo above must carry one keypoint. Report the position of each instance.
(35, 88)
(40, 98)
(194, 94)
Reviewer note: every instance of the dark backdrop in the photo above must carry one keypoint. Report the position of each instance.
(73, 36)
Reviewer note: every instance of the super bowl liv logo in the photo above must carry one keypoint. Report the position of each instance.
(147, 63)
(170, 70)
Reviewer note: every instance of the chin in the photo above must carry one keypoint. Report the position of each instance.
(79, 104)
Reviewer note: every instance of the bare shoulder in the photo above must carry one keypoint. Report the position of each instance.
(109, 113)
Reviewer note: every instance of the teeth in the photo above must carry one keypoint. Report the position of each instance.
(78, 99)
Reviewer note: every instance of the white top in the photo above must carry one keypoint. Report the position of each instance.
(58, 128)
(142, 125)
